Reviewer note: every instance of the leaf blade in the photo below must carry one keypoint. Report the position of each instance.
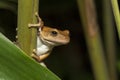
(16, 65)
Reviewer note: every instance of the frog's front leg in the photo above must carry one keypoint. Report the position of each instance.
(35, 56)
(44, 56)
(40, 23)
(40, 57)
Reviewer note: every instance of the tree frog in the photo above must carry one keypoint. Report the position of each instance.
(47, 38)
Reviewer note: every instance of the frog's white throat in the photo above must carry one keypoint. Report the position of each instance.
(43, 46)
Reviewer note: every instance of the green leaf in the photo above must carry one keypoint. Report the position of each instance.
(16, 65)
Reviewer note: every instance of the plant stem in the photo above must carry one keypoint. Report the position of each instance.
(116, 14)
(93, 39)
(26, 15)
(109, 37)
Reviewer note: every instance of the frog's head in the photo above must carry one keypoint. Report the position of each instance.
(54, 36)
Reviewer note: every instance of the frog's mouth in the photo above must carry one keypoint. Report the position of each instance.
(50, 42)
(55, 43)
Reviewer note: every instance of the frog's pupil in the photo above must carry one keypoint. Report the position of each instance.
(54, 33)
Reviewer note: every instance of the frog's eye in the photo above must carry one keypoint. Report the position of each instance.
(54, 33)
